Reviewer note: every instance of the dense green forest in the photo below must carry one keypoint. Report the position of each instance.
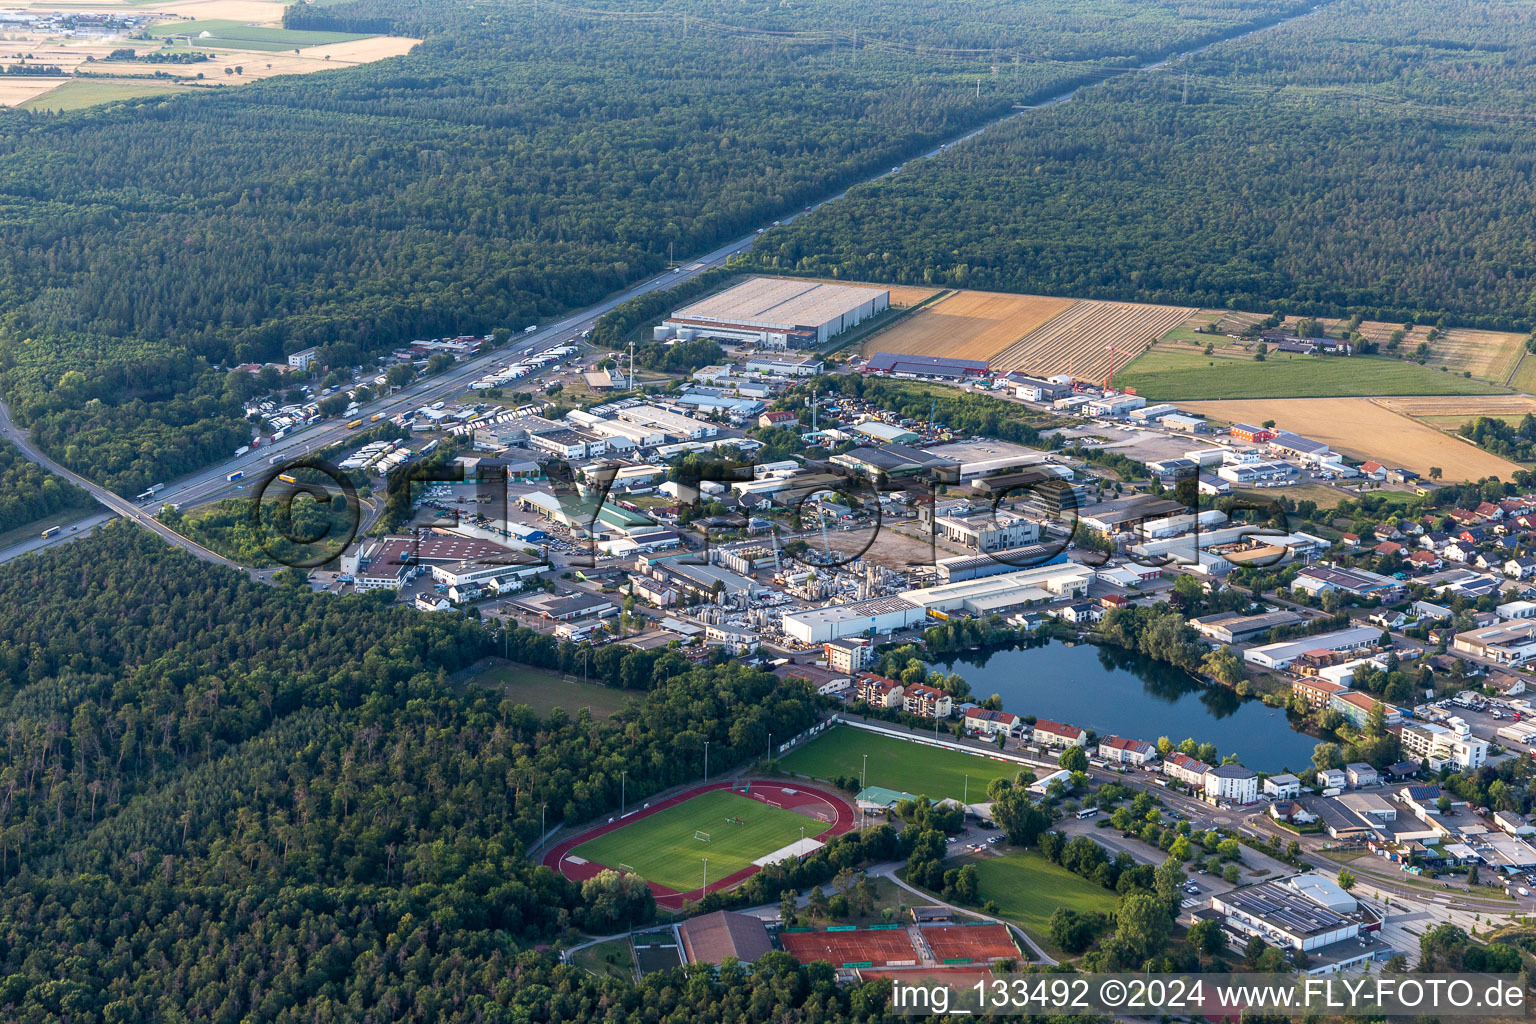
(276, 799)
(29, 493)
(521, 161)
(1374, 157)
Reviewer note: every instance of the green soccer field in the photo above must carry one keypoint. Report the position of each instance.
(662, 848)
(897, 764)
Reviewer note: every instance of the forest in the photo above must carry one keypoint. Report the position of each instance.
(29, 493)
(523, 160)
(279, 800)
(1373, 157)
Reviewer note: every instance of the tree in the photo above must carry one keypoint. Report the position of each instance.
(1021, 819)
(1143, 923)
(1327, 755)
(1206, 938)
(1073, 759)
(1346, 879)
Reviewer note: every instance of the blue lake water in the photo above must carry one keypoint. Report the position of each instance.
(1115, 691)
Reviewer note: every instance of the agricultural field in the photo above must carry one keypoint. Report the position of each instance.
(967, 325)
(662, 847)
(1028, 889)
(1487, 355)
(897, 764)
(243, 39)
(1365, 428)
(1184, 373)
(545, 691)
(1032, 333)
(1090, 339)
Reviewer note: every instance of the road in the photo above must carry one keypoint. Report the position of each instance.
(213, 481)
(121, 506)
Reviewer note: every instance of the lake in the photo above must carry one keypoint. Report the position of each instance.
(1110, 690)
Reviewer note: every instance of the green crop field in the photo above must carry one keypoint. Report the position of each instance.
(1173, 374)
(1028, 889)
(662, 847)
(897, 764)
(241, 36)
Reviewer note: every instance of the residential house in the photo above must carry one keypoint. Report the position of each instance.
(1055, 734)
(1292, 812)
(1356, 708)
(880, 692)
(1185, 769)
(1522, 568)
(1082, 613)
(1332, 778)
(1282, 787)
(926, 701)
(1361, 774)
(1233, 783)
(1425, 560)
(993, 723)
(1316, 691)
(1137, 753)
(1373, 470)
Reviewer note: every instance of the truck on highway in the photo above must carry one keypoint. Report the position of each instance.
(236, 475)
(530, 328)
(242, 450)
(288, 478)
(375, 417)
(50, 532)
(354, 424)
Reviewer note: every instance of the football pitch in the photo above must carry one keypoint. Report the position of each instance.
(662, 847)
(897, 764)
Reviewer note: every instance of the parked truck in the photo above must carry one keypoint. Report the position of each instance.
(242, 450)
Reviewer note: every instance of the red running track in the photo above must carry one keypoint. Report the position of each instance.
(794, 797)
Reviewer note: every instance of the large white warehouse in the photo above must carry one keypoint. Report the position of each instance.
(779, 313)
(881, 615)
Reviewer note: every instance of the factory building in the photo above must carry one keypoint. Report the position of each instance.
(881, 615)
(777, 313)
(988, 530)
(996, 594)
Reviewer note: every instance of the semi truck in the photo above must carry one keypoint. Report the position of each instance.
(236, 475)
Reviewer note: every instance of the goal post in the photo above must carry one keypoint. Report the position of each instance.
(701, 836)
(625, 869)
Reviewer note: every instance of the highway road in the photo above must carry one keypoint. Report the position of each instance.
(212, 482)
(121, 506)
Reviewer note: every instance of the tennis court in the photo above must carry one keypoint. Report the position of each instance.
(874, 947)
(977, 942)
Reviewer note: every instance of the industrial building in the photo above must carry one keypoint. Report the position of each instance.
(902, 364)
(996, 594)
(973, 567)
(1309, 913)
(1452, 744)
(881, 615)
(988, 530)
(1281, 655)
(885, 432)
(1231, 628)
(777, 313)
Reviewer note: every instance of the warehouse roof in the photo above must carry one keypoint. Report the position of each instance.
(781, 301)
(931, 366)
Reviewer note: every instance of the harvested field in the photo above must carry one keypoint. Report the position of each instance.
(967, 325)
(1486, 355)
(1370, 428)
(1081, 340)
(17, 89)
(1467, 408)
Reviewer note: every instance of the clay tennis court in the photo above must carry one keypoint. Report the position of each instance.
(883, 948)
(979, 942)
(967, 325)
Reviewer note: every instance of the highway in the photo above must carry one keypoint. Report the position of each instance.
(213, 482)
(121, 506)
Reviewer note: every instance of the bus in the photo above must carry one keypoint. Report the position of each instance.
(354, 424)
(288, 478)
(1088, 812)
(236, 475)
(375, 417)
(50, 532)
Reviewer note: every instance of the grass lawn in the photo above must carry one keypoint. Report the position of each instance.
(662, 847)
(897, 764)
(612, 959)
(1028, 889)
(83, 93)
(1169, 373)
(545, 691)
